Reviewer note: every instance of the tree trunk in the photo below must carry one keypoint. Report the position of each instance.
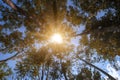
(112, 78)
(23, 12)
(42, 75)
(65, 76)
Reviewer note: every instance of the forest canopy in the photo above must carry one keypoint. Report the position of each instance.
(27, 26)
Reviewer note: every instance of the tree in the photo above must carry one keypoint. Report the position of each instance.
(103, 31)
(40, 19)
(14, 18)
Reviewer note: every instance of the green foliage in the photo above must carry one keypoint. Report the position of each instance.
(104, 31)
(41, 18)
(86, 74)
(42, 63)
(5, 71)
(26, 68)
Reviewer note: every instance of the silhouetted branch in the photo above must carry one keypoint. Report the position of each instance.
(15, 7)
(112, 78)
(4, 60)
(22, 12)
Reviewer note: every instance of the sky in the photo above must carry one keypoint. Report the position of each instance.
(105, 65)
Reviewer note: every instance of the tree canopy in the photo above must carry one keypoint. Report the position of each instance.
(26, 27)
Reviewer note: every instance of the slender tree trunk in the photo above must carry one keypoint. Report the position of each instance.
(23, 12)
(65, 76)
(47, 75)
(112, 78)
(42, 75)
(63, 72)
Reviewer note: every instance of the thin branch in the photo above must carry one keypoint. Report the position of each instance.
(23, 12)
(80, 34)
(10, 3)
(112, 78)
(15, 7)
(4, 60)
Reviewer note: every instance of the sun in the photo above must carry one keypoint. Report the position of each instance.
(56, 38)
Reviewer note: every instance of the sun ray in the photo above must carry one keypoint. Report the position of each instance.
(56, 38)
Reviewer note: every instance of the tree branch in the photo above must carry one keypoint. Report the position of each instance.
(23, 12)
(11, 4)
(112, 78)
(15, 7)
(4, 60)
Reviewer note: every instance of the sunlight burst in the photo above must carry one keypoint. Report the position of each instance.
(57, 38)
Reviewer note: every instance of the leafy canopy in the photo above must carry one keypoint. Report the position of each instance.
(27, 25)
